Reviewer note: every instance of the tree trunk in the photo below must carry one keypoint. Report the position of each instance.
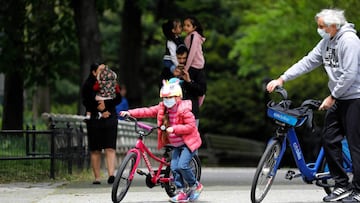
(41, 101)
(89, 36)
(130, 51)
(13, 106)
(13, 63)
(43, 20)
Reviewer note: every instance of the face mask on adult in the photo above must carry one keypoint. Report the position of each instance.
(169, 102)
(323, 34)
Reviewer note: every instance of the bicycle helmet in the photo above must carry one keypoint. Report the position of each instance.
(171, 88)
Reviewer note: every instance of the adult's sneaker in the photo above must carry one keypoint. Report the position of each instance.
(195, 191)
(179, 197)
(353, 197)
(338, 194)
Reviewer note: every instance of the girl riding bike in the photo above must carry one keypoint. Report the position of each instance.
(178, 129)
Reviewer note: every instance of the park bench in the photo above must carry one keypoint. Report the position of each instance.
(230, 150)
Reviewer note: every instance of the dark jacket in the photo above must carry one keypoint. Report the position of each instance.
(194, 89)
(88, 99)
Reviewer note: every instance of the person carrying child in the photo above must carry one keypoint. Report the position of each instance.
(181, 132)
(101, 122)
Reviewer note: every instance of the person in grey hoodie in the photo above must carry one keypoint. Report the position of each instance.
(339, 52)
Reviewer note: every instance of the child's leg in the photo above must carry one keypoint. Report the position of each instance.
(178, 180)
(184, 166)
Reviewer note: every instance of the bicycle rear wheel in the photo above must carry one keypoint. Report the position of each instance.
(265, 172)
(195, 165)
(122, 181)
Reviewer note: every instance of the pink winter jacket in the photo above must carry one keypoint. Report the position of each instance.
(195, 57)
(185, 122)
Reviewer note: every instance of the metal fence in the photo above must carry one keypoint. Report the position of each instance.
(32, 152)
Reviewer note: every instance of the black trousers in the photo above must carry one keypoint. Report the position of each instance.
(343, 119)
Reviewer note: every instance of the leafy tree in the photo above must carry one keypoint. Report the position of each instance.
(48, 20)
(89, 37)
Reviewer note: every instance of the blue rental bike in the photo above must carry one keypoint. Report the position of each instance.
(287, 119)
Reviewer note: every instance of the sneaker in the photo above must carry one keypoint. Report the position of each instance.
(195, 191)
(337, 194)
(353, 197)
(180, 197)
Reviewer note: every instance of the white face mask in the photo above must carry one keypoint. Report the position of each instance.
(169, 102)
(323, 34)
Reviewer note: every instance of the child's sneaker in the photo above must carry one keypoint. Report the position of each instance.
(180, 197)
(195, 191)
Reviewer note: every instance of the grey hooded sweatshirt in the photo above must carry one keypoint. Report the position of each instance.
(340, 56)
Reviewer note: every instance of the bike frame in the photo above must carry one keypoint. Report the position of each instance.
(143, 152)
(309, 171)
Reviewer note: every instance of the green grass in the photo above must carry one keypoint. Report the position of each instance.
(39, 171)
(35, 170)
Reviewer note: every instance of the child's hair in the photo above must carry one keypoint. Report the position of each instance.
(194, 21)
(94, 66)
(166, 123)
(167, 28)
(181, 49)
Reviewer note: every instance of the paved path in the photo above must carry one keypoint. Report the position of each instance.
(230, 185)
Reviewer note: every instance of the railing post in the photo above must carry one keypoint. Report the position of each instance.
(52, 151)
(33, 144)
(68, 151)
(27, 140)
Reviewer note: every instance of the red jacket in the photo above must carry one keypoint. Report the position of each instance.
(185, 122)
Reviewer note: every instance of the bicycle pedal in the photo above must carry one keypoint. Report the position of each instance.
(140, 172)
(290, 174)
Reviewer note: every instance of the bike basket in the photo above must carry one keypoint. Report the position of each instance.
(293, 117)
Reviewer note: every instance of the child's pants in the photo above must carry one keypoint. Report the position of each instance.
(180, 167)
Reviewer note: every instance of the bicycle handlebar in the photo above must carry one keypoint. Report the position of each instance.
(302, 111)
(310, 103)
(148, 129)
(282, 91)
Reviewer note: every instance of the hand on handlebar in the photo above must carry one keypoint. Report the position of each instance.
(273, 84)
(327, 103)
(124, 113)
(170, 129)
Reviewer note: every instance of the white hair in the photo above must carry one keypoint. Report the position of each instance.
(332, 17)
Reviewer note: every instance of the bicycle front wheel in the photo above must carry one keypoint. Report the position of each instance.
(265, 172)
(195, 165)
(122, 181)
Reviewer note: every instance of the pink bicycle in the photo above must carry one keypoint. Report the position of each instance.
(154, 177)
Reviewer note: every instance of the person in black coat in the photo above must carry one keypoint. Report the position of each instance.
(101, 124)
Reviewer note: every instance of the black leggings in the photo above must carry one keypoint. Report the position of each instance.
(343, 119)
